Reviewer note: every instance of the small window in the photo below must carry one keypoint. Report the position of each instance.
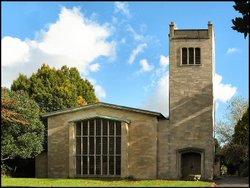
(184, 55)
(197, 56)
(190, 56)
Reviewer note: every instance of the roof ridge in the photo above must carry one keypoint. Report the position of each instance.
(102, 104)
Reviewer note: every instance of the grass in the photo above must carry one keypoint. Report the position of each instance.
(59, 182)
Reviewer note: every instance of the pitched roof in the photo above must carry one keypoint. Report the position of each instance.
(102, 104)
(103, 117)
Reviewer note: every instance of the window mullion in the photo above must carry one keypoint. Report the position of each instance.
(181, 56)
(115, 148)
(88, 147)
(194, 57)
(101, 144)
(188, 56)
(81, 148)
(108, 147)
(94, 146)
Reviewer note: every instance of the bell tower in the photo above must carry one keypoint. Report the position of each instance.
(191, 113)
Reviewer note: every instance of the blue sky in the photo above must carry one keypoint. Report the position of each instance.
(121, 47)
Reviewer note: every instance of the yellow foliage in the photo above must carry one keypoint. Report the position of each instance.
(81, 101)
(97, 100)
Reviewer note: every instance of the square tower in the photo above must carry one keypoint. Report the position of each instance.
(191, 113)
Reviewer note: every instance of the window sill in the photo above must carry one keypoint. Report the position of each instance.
(186, 65)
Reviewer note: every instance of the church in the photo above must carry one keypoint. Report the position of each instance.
(107, 140)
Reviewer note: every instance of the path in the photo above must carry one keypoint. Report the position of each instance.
(232, 181)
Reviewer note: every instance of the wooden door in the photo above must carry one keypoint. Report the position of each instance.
(190, 164)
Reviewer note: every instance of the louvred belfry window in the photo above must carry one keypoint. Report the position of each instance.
(190, 56)
(98, 147)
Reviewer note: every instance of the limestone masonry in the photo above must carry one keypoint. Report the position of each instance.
(107, 140)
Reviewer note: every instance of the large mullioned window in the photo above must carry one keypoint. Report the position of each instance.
(190, 56)
(98, 147)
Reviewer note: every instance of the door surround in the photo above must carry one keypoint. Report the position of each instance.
(190, 150)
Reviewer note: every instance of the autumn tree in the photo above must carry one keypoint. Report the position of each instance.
(22, 132)
(7, 109)
(241, 24)
(56, 89)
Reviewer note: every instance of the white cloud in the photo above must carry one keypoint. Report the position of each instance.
(122, 7)
(159, 100)
(164, 61)
(76, 37)
(223, 92)
(94, 67)
(136, 36)
(136, 52)
(99, 91)
(232, 50)
(145, 66)
(73, 40)
(14, 51)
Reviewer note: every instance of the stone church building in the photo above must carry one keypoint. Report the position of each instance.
(107, 140)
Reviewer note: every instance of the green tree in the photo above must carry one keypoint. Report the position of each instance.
(234, 156)
(7, 109)
(217, 147)
(22, 83)
(56, 89)
(241, 24)
(234, 133)
(224, 128)
(21, 136)
(241, 131)
(241, 138)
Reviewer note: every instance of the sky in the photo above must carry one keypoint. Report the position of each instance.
(122, 48)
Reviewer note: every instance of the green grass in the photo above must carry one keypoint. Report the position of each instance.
(59, 182)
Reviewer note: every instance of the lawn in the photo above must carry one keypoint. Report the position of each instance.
(56, 182)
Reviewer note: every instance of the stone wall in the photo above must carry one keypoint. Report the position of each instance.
(151, 148)
(191, 117)
(141, 144)
(41, 165)
(163, 144)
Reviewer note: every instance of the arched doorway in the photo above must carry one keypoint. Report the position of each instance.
(190, 164)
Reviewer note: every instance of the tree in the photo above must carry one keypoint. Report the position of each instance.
(233, 132)
(241, 24)
(7, 113)
(22, 83)
(20, 139)
(217, 147)
(241, 131)
(225, 128)
(224, 131)
(241, 138)
(234, 156)
(56, 89)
